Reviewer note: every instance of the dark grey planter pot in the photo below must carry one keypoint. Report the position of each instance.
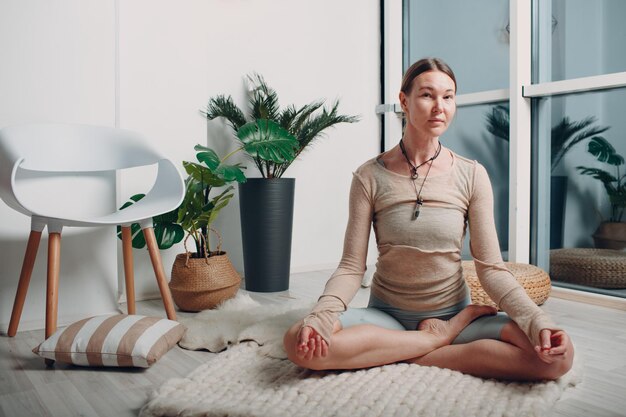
(558, 196)
(266, 209)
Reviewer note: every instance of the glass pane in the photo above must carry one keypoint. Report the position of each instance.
(469, 136)
(581, 38)
(586, 223)
(471, 36)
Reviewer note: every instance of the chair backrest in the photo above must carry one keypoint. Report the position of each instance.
(67, 170)
(74, 148)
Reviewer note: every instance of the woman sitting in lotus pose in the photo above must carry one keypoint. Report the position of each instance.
(421, 197)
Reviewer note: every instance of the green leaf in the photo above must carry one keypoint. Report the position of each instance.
(208, 156)
(133, 199)
(138, 240)
(202, 174)
(169, 217)
(166, 231)
(167, 235)
(266, 140)
(604, 151)
(230, 173)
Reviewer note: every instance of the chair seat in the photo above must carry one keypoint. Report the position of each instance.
(144, 209)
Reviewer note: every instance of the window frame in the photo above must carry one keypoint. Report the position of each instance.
(526, 221)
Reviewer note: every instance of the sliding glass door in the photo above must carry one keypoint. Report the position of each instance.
(540, 105)
(578, 99)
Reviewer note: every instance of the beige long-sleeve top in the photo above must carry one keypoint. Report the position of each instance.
(419, 261)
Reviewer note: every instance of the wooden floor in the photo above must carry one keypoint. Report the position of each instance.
(27, 388)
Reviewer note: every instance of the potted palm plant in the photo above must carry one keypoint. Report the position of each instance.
(266, 204)
(563, 137)
(610, 234)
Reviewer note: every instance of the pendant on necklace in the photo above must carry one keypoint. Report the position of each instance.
(414, 175)
(418, 205)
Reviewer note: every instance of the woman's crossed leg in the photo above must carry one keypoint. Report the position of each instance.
(366, 345)
(362, 346)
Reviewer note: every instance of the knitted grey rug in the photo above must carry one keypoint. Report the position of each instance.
(248, 380)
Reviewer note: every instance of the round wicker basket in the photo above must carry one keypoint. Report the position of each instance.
(601, 268)
(534, 280)
(202, 283)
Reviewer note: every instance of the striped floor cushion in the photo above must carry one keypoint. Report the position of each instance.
(114, 340)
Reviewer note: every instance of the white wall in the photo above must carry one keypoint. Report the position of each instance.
(173, 56)
(58, 64)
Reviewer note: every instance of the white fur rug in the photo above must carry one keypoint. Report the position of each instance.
(250, 381)
(243, 319)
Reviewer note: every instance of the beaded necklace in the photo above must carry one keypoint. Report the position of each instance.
(415, 176)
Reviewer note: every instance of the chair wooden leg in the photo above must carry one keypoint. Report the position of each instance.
(22, 287)
(157, 264)
(129, 275)
(52, 292)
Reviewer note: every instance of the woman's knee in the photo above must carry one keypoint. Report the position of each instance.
(559, 367)
(511, 333)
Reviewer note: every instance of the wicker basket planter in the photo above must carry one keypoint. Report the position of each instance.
(534, 280)
(202, 283)
(610, 235)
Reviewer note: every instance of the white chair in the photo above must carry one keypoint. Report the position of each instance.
(35, 153)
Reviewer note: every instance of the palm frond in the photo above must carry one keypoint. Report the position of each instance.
(598, 174)
(566, 135)
(263, 99)
(287, 116)
(304, 114)
(498, 121)
(309, 127)
(222, 106)
(314, 125)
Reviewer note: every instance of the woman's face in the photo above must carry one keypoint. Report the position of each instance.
(430, 106)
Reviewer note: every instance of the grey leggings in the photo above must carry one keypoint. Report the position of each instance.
(384, 315)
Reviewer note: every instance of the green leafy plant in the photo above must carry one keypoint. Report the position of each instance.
(199, 207)
(615, 185)
(286, 132)
(564, 135)
(166, 229)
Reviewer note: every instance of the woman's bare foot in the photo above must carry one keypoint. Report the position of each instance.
(446, 330)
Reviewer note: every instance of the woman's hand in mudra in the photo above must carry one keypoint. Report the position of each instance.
(310, 344)
(555, 345)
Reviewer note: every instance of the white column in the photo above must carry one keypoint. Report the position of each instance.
(544, 140)
(519, 180)
(393, 69)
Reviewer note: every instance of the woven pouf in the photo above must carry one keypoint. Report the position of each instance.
(533, 279)
(601, 268)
